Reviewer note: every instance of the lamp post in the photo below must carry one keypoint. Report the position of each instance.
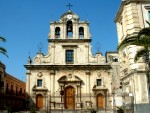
(113, 94)
(62, 93)
(50, 100)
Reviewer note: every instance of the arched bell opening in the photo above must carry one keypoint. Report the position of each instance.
(57, 32)
(81, 32)
(69, 29)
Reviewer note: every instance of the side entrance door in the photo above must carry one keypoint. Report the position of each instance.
(100, 101)
(39, 101)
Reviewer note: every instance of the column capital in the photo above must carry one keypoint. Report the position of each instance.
(52, 72)
(88, 73)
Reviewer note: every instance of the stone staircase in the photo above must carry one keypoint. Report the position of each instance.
(68, 111)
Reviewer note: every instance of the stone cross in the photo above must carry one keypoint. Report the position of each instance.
(69, 5)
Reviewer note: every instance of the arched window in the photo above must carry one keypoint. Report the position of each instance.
(69, 29)
(57, 32)
(81, 32)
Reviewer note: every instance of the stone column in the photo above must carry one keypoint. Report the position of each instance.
(53, 53)
(78, 104)
(87, 54)
(88, 73)
(28, 73)
(88, 98)
(52, 84)
(77, 93)
(75, 31)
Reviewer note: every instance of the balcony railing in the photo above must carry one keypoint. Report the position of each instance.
(10, 92)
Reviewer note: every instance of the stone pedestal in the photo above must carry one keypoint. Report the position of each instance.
(79, 105)
(88, 104)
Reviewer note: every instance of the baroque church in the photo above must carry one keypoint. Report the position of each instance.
(70, 76)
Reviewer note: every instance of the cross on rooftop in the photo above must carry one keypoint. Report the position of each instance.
(69, 5)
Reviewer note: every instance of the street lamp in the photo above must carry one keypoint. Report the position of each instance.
(62, 93)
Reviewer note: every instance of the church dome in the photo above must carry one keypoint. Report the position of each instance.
(69, 15)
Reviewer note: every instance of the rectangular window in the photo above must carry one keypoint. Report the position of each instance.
(39, 83)
(99, 82)
(69, 56)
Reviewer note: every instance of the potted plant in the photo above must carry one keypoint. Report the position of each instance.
(120, 109)
(93, 111)
(33, 110)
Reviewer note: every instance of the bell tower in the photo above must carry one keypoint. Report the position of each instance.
(69, 27)
(69, 38)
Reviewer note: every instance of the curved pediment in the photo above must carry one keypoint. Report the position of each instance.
(69, 16)
(69, 78)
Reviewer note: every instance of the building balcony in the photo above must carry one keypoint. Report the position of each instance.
(13, 93)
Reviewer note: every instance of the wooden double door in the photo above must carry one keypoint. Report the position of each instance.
(39, 101)
(100, 101)
(69, 97)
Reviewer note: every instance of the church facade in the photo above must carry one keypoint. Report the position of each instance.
(69, 76)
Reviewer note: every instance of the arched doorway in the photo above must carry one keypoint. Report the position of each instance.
(69, 97)
(100, 101)
(39, 101)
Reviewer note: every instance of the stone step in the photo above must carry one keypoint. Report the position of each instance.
(68, 111)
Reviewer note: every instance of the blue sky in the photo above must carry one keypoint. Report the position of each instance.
(25, 24)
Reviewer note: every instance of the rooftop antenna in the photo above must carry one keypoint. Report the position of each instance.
(40, 47)
(69, 5)
(98, 46)
(87, 17)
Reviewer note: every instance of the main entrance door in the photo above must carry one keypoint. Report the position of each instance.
(69, 97)
(100, 101)
(39, 101)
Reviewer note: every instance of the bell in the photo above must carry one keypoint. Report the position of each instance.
(69, 28)
(57, 33)
(81, 33)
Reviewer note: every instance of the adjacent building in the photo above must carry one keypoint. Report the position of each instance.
(12, 92)
(131, 17)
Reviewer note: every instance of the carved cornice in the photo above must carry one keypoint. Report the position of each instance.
(74, 81)
(70, 40)
(73, 46)
(40, 89)
(132, 73)
(68, 67)
(100, 89)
